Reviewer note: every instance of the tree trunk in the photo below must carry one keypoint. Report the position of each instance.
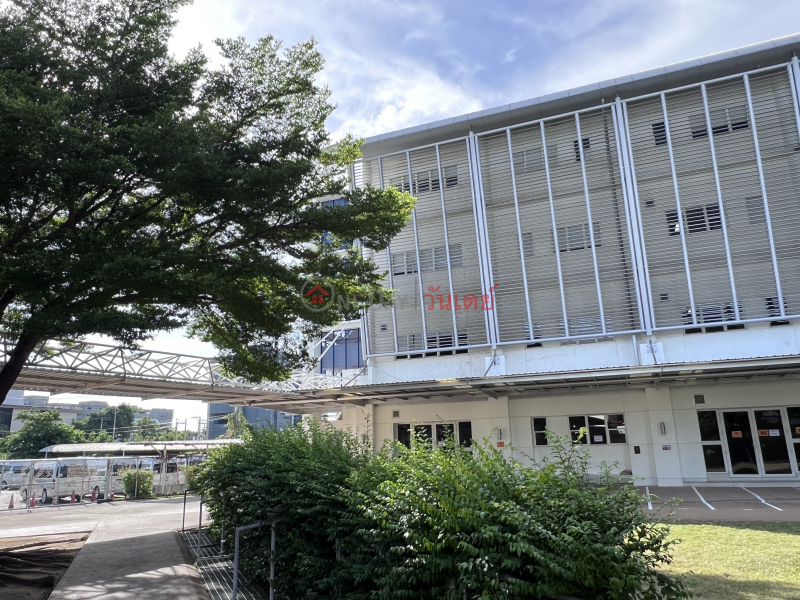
(16, 360)
(7, 298)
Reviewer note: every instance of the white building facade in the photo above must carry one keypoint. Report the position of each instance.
(623, 257)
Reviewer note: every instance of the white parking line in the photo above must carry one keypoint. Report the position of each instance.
(649, 504)
(762, 500)
(703, 500)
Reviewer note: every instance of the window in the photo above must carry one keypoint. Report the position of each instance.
(699, 399)
(710, 438)
(332, 203)
(774, 309)
(402, 184)
(341, 352)
(426, 181)
(755, 210)
(440, 339)
(528, 160)
(577, 148)
(465, 433)
(578, 237)
(435, 259)
(586, 325)
(527, 244)
(424, 432)
(723, 120)
(793, 412)
(404, 263)
(451, 176)
(539, 434)
(660, 133)
(714, 312)
(697, 219)
(412, 341)
(444, 431)
(602, 429)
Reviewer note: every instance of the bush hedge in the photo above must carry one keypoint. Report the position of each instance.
(144, 489)
(427, 522)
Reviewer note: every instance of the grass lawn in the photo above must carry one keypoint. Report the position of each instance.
(739, 561)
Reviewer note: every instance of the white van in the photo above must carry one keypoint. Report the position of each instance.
(118, 467)
(14, 473)
(42, 475)
(82, 477)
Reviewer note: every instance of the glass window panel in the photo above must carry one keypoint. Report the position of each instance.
(709, 426)
(404, 434)
(771, 438)
(616, 429)
(714, 459)
(794, 420)
(575, 425)
(539, 435)
(740, 443)
(424, 433)
(444, 431)
(465, 433)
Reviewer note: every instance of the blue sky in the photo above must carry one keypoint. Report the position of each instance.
(394, 64)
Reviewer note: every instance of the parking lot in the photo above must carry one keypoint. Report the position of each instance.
(727, 503)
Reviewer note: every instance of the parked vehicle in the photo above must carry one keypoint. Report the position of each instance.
(13, 473)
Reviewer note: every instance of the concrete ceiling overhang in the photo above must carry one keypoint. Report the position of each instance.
(567, 382)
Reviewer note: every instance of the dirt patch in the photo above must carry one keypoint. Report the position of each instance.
(30, 567)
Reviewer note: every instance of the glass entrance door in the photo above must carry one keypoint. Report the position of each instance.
(772, 442)
(741, 449)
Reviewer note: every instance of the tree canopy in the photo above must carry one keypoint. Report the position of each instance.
(111, 420)
(140, 192)
(39, 429)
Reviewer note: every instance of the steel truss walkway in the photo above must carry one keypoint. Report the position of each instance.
(86, 368)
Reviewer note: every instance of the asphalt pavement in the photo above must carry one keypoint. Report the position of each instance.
(133, 551)
(695, 503)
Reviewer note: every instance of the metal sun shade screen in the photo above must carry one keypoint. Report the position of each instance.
(713, 178)
(435, 255)
(703, 211)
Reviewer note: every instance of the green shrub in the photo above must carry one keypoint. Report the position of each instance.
(145, 485)
(434, 522)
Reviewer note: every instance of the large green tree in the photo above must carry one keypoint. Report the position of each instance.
(39, 429)
(140, 192)
(114, 420)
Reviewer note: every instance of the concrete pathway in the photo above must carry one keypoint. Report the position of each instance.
(133, 551)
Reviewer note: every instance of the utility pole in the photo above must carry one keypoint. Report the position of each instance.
(114, 430)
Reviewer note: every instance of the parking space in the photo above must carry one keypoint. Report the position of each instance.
(725, 503)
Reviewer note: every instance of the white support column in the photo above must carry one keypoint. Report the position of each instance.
(628, 149)
(447, 247)
(764, 195)
(631, 214)
(474, 167)
(493, 324)
(555, 230)
(719, 199)
(591, 225)
(794, 83)
(681, 227)
(519, 235)
(391, 267)
(416, 249)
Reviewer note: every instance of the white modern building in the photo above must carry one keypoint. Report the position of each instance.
(623, 256)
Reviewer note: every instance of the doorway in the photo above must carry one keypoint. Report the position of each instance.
(757, 442)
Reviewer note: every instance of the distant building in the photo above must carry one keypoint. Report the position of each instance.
(257, 417)
(17, 401)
